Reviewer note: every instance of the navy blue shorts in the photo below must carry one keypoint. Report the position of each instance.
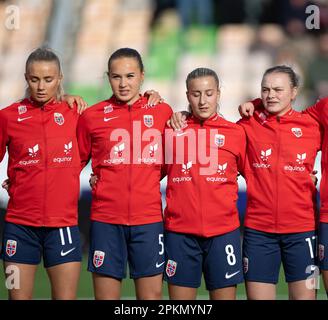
(112, 246)
(263, 253)
(323, 246)
(26, 244)
(188, 257)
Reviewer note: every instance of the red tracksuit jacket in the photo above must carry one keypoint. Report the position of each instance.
(319, 112)
(280, 157)
(44, 163)
(203, 203)
(125, 145)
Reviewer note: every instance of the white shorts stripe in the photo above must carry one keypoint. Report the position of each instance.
(69, 235)
(62, 236)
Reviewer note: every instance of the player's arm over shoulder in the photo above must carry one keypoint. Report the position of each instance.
(166, 109)
(319, 110)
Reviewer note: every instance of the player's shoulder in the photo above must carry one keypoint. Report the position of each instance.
(103, 105)
(64, 107)
(100, 105)
(233, 126)
(165, 109)
(161, 111)
(305, 119)
(161, 107)
(15, 108)
(23, 103)
(244, 121)
(164, 105)
(323, 101)
(322, 104)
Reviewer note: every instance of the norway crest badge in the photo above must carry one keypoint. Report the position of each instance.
(297, 132)
(22, 110)
(98, 258)
(11, 247)
(108, 109)
(148, 120)
(59, 118)
(219, 140)
(171, 268)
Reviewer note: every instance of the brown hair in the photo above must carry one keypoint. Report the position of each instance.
(293, 77)
(202, 72)
(126, 53)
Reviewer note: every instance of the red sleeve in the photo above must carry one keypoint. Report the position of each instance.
(67, 105)
(3, 135)
(167, 115)
(242, 153)
(164, 167)
(84, 140)
(168, 111)
(257, 103)
(316, 111)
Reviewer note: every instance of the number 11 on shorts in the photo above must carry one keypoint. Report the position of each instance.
(310, 241)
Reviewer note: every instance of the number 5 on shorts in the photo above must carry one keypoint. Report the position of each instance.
(161, 243)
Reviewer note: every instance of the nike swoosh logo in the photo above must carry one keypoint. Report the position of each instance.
(108, 119)
(22, 119)
(65, 253)
(158, 265)
(181, 134)
(228, 276)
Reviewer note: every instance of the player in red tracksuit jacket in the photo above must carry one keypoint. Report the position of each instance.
(319, 112)
(123, 138)
(280, 221)
(201, 218)
(39, 134)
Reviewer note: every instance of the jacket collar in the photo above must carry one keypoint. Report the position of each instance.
(263, 115)
(214, 118)
(141, 102)
(50, 105)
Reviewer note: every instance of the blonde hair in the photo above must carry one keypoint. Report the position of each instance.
(44, 54)
(199, 73)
